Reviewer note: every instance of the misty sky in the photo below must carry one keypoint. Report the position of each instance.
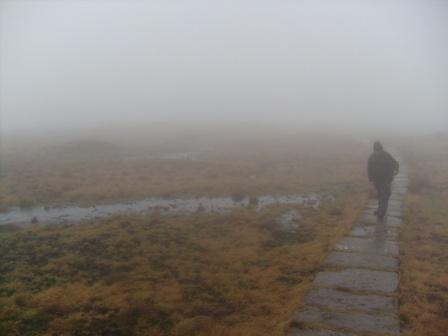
(348, 65)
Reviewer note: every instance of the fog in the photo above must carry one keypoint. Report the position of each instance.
(351, 66)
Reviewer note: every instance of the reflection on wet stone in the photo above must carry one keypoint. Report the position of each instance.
(359, 280)
(369, 246)
(335, 299)
(358, 260)
(350, 320)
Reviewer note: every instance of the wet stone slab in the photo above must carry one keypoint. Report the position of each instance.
(400, 179)
(363, 231)
(372, 231)
(355, 321)
(358, 260)
(314, 332)
(399, 190)
(397, 197)
(393, 221)
(368, 217)
(400, 184)
(334, 299)
(396, 203)
(393, 206)
(393, 210)
(378, 246)
(394, 213)
(373, 203)
(359, 280)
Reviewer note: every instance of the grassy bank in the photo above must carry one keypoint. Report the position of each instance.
(424, 256)
(233, 274)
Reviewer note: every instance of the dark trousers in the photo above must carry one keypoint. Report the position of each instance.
(383, 189)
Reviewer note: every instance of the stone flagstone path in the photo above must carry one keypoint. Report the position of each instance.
(356, 294)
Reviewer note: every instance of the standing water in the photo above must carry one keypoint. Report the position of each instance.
(47, 214)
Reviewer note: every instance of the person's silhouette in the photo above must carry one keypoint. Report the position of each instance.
(382, 168)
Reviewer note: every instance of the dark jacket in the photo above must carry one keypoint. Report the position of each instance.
(382, 167)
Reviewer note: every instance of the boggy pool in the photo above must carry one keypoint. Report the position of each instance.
(71, 213)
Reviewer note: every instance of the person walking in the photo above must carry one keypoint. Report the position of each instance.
(382, 168)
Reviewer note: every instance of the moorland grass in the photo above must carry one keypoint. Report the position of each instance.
(424, 240)
(57, 176)
(202, 274)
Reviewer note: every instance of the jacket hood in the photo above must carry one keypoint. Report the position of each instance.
(377, 146)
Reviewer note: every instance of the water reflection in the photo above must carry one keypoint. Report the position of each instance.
(162, 205)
